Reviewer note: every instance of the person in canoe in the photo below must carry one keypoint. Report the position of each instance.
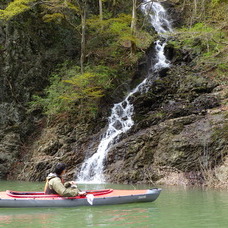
(54, 183)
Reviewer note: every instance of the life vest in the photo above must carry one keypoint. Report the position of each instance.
(50, 191)
(47, 189)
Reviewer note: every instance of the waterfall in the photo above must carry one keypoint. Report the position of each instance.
(120, 120)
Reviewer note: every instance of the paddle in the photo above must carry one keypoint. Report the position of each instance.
(90, 198)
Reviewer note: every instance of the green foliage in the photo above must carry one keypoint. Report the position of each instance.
(143, 39)
(217, 13)
(108, 51)
(15, 8)
(114, 28)
(207, 47)
(52, 103)
(118, 32)
(74, 7)
(202, 39)
(222, 72)
(109, 41)
(56, 17)
(89, 85)
(69, 87)
(53, 10)
(223, 67)
(215, 2)
(56, 10)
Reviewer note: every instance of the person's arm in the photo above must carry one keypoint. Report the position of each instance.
(69, 184)
(46, 185)
(57, 185)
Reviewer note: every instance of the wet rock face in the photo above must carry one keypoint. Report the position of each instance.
(174, 133)
(182, 145)
(9, 149)
(57, 143)
(29, 51)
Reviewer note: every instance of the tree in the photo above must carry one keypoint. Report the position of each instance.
(66, 10)
(83, 9)
(69, 86)
(107, 41)
(54, 10)
(100, 10)
(15, 8)
(133, 24)
(133, 19)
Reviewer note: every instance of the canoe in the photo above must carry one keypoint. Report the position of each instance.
(15, 199)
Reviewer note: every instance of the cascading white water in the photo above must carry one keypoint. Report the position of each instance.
(158, 18)
(120, 120)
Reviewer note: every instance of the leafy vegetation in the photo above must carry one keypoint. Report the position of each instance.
(106, 54)
(106, 43)
(110, 41)
(207, 46)
(203, 39)
(69, 86)
(15, 8)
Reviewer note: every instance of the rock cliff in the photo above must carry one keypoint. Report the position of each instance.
(29, 50)
(180, 132)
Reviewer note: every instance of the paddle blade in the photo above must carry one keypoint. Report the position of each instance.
(90, 198)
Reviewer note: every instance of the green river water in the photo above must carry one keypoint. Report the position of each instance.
(176, 207)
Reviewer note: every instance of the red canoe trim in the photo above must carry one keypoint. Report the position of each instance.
(17, 194)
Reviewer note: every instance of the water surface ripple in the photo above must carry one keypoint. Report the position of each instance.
(176, 207)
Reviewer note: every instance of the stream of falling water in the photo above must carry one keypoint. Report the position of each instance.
(120, 120)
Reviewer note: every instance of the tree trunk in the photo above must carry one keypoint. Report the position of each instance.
(133, 18)
(100, 10)
(194, 13)
(83, 39)
(133, 24)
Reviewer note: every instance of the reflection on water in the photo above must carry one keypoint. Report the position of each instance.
(23, 218)
(175, 208)
(121, 216)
